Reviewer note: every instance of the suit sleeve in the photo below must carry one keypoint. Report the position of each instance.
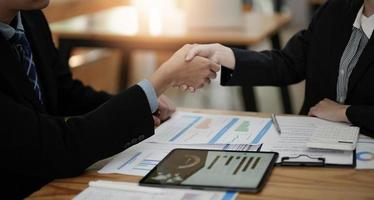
(74, 97)
(272, 67)
(40, 145)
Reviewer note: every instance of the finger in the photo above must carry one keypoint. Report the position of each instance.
(173, 109)
(199, 50)
(156, 121)
(184, 87)
(206, 82)
(212, 75)
(192, 53)
(163, 110)
(215, 67)
(312, 111)
(191, 89)
(311, 114)
(214, 59)
(171, 106)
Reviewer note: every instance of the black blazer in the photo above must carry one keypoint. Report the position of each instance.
(37, 143)
(314, 55)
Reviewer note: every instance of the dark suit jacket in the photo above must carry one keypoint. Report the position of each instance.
(314, 55)
(37, 144)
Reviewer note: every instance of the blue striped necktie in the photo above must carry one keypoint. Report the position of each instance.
(25, 56)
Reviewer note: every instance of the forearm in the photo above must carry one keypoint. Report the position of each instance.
(57, 148)
(265, 68)
(77, 99)
(161, 81)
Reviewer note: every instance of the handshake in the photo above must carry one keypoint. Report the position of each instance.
(192, 67)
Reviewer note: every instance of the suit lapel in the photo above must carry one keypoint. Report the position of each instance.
(14, 73)
(363, 64)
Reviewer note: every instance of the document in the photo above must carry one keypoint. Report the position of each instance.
(195, 131)
(193, 128)
(109, 190)
(296, 132)
(138, 160)
(365, 153)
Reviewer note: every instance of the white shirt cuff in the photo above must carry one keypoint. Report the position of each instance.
(150, 92)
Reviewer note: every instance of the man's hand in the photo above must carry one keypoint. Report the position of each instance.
(177, 71)
(165, 110)
(330, 110)
(217, 53)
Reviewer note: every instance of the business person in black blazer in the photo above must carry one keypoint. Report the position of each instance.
(54, 127)
(335, 56)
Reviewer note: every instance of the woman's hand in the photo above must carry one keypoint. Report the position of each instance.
(176, 71)
(217, 53)
(330, 110)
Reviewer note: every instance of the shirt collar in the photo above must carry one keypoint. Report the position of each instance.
(8, 31)
(366, 24)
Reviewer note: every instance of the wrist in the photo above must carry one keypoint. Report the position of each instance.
(343, 113)
(161, 81)
(228, 58)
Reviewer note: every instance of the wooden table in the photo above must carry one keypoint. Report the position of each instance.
(284, 183)
(93, 31)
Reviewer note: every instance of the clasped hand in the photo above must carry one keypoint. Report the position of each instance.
(216, 53)
(189, 68)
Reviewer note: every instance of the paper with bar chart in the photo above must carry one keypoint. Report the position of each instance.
(138, 160)
(193, 128)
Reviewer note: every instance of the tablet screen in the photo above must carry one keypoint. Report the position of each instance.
(228, 170)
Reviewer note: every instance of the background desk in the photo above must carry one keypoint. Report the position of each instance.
(90, 31)
(284, 183)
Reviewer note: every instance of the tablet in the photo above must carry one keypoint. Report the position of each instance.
(212, 169)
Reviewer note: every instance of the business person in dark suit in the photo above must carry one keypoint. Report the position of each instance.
(54, 127)
(335, 56)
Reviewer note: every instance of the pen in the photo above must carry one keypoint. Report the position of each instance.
(275, 122)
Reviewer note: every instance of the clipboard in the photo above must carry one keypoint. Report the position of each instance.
(292, 161)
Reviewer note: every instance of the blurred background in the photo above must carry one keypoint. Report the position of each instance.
(111, 45)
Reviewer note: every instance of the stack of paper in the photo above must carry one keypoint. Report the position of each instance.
(296, 133)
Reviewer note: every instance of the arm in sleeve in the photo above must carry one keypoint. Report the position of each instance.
(74, 97)
(53, 147)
